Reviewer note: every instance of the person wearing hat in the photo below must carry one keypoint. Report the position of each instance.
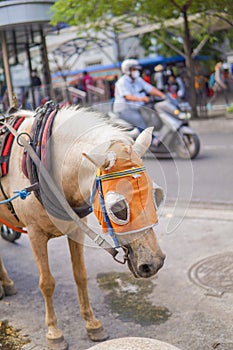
(131, 94)
(159, 77)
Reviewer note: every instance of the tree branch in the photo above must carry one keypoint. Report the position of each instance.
(173, 2)
(217, 15)
(200, 45)
(170, 45)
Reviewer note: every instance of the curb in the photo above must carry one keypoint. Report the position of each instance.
(205, 211)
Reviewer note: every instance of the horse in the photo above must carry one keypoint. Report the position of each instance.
(89, 160)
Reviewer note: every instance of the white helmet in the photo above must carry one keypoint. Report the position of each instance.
(129, 63)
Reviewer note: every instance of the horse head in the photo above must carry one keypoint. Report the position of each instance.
(126, 202)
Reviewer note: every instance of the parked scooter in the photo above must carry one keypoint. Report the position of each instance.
(170, 120)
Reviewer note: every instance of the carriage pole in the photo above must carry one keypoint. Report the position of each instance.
(7, 68)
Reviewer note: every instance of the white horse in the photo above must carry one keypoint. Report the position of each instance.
(81, 142)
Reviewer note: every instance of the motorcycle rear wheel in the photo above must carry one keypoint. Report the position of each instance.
(188, 146)
(8, 234)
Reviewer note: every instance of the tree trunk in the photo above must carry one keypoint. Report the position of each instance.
(190, 65)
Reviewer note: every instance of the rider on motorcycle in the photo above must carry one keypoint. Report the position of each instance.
(131, 94)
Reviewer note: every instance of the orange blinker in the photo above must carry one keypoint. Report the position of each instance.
(137, 190)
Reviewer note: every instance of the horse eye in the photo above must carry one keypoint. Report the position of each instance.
(120, 210)
(117, 208)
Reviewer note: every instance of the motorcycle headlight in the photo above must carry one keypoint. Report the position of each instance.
(183, 115)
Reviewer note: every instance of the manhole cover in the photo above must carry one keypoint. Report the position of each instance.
(215, 274)
(223, 346)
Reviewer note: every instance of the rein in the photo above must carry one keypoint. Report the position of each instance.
(61, 199)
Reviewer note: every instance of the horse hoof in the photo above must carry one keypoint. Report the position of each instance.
(98, 334)
(9, 289)
(57, 344)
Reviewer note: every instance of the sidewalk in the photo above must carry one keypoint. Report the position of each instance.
(219, 108)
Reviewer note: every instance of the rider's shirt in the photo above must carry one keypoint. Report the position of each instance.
(127, 86)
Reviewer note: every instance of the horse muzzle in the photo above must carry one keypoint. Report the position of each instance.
(145, 267)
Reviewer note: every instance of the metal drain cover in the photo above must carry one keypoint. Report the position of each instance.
(223, 346)
(215, 274)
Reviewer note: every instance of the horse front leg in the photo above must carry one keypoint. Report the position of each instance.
(7, 286)
(94, 327)
(39, 242)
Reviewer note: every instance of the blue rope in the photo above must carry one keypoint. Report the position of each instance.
(111, 232)
(106, 218)
(22, 194)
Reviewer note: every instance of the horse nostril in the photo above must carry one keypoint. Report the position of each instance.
(144, 269)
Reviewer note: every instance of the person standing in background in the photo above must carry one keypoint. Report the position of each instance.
(87, 80)
(219, 86)
(159, 77)
(36, 87)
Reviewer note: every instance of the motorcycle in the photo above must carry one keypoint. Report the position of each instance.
(170, 120)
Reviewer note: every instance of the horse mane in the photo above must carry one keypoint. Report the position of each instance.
(88, 118)
(92, 119)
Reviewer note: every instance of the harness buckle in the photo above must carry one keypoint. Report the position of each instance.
(125, 256)
(99, 240)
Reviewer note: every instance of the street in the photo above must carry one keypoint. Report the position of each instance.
(196, 223)
(208, 178)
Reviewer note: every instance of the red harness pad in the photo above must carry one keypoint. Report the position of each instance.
(7, 146)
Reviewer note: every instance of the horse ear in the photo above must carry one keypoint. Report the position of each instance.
(97, 159)
(106, 160)
(143, 142)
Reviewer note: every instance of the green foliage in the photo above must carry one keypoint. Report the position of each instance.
(95, 13)
(230, 108)
(99, 14)
(148, 39)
